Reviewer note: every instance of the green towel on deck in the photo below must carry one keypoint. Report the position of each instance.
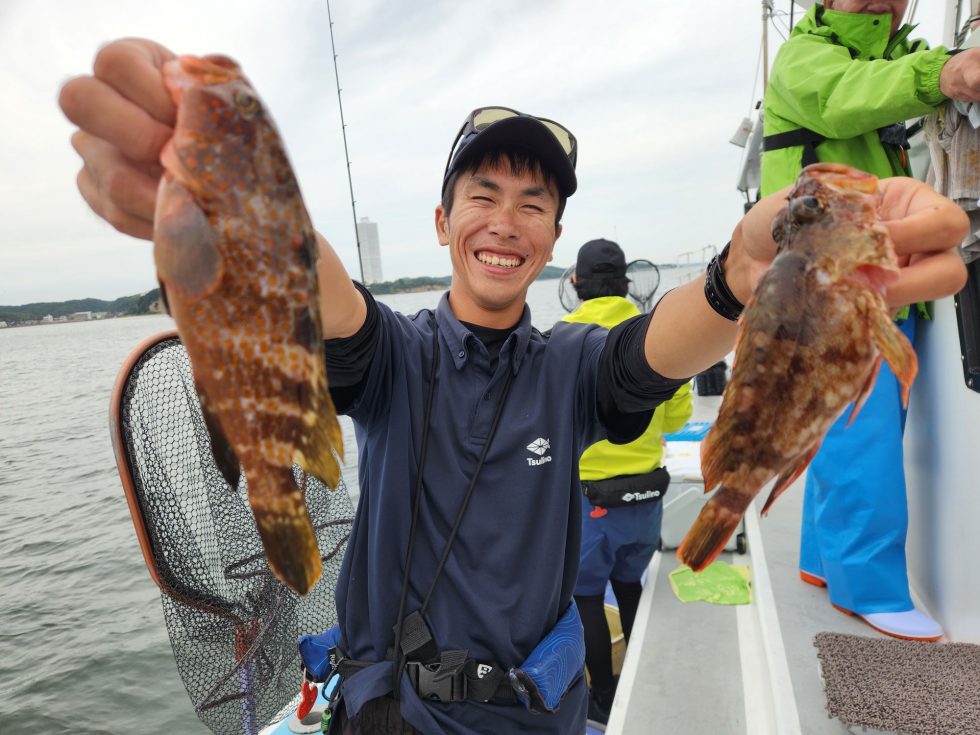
(719, 584)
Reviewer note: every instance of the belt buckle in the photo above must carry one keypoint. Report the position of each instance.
(430, 684)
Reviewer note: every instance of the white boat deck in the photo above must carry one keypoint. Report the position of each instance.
(699, 669)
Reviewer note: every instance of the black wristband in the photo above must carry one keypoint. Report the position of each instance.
(716, 290)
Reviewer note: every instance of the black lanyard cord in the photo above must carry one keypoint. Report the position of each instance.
(400, 659)
(469, 490)
(417, 503)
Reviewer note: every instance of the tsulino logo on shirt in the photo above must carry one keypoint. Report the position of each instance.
(539, 446)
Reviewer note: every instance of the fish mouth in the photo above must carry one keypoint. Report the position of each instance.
(499, 260)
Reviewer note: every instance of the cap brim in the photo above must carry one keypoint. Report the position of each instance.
(521, 132)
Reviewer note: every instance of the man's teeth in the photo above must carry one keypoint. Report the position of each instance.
(498, 260)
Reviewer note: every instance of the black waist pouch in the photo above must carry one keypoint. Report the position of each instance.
(616, 492)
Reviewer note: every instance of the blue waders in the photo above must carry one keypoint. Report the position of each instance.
(855, 513)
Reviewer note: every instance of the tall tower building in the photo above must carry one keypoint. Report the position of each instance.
(367, 233)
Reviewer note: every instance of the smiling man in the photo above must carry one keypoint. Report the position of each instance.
(462, 561)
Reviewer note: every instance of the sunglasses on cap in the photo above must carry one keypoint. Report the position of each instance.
(483, 117)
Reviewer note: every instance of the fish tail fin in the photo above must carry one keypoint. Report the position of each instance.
(285, 528)
(714, 526)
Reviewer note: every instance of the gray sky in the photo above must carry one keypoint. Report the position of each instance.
(652, 89)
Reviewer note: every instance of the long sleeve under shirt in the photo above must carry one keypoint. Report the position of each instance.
(513, 565)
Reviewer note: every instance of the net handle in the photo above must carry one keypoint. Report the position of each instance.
(119, 450)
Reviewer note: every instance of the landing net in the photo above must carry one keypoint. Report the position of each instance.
(644, 280)
(232, 624)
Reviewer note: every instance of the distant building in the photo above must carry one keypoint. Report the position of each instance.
(3, 325)
(80, 316)
(47, 319)
(367, 234)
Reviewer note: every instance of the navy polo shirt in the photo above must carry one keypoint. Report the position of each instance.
(513, 565)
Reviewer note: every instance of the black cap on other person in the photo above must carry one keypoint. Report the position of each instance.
(519, 131)
(600, 259)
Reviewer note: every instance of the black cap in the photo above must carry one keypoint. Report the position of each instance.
(520, 132)
(600, 259)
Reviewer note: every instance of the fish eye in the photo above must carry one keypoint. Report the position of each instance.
(805, 209)
(247, 103)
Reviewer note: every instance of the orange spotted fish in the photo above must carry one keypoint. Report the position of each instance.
(811, 342)
(236, 257)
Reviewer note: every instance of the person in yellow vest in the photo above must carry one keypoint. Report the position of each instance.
(623, 484)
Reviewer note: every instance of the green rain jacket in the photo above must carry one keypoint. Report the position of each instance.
(843, 76)
(604, 459)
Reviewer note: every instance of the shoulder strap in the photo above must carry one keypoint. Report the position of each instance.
(805, 137)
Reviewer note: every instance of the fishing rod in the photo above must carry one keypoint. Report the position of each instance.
(343, 130)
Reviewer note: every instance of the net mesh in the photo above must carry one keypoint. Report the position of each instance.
(644, 280)
(232, 624)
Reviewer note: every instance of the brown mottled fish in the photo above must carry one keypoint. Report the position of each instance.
(236, 257)
(811, 342)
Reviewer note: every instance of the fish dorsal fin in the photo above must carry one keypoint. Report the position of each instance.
(188, 261)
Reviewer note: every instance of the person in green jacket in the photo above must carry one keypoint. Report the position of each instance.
(623, 484)
(841, 89)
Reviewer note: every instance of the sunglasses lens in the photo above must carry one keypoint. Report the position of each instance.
(487, 116)
(484, 117)
(565, 138)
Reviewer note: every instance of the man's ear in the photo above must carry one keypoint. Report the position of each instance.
(551, 257)
(442, 225)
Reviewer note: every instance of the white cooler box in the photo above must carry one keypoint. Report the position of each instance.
(686, 495)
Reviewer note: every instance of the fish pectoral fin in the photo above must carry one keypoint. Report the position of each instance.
(897, 351)
(866, 389)
(224, 456)
(187, 259)
(788, 478)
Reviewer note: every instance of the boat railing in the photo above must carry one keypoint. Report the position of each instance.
(691, 263)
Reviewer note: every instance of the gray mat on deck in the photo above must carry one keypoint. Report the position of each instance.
(902, 686)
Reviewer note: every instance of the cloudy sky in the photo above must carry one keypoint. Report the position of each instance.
(652, 89)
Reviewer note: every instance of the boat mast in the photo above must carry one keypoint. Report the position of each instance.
(343, 130)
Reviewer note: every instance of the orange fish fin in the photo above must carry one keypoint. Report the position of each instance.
(896, 349)
(285, 528)
(711, 530)
(866, 389)
(188, 262)
(788, 478)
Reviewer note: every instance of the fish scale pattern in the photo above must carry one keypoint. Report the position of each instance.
(232, 624)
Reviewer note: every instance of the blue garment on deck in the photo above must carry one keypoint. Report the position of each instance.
(855, 513)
